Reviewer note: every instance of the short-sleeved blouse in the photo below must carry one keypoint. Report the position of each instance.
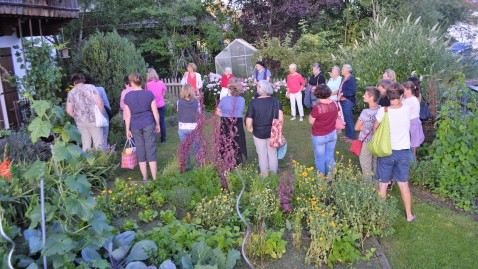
(83, 100)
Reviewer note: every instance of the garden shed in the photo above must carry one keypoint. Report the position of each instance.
(238, 56)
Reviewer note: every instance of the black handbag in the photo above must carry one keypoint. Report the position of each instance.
(425, 113)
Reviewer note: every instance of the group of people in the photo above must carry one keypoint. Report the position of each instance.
(144, 110)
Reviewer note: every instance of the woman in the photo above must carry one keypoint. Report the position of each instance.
(261, 73)
(80, 105)
(324, 136)
(383, 84)
(390, 75)
(411, 95)
(188, 109)
(158, 88)
(346, 95)
(295, 85)
(192, 78)
(397, 165)
(108, 115)
(127, 89)
(334, 82)
(226, 76)
(230, 109)
(364, 124)
(259, 116)
(142, 124)
(315, 79)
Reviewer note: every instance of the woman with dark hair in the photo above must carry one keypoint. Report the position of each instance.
(230, 109)
(261, 73)
(346, 96)
(80, 105)
(410, 99)
(324, 136)
(142, 123)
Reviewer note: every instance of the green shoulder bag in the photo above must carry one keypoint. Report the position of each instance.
(380, 144)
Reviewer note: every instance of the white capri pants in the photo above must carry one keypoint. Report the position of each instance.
(296, 98)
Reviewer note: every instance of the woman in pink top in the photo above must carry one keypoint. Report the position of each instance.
(295, 85)
(158, 88)
(127, 89)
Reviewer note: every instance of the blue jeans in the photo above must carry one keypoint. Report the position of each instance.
(347, 110)
(185, 137)
(162, 122)
(324, 150)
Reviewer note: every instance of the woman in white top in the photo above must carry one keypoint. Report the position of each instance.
(192, 77)
(334, 82)
(416, 130)
(397, 165)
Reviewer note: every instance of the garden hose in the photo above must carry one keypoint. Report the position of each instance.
(5, 236)
(248, 230)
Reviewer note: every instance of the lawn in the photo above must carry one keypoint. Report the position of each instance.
(440, 237)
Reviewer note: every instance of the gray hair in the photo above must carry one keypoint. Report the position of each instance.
(348, 67)
(264, 88)
(228, 69)
(336, 68)
(293, 66)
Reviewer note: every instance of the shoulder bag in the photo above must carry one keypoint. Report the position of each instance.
(277, 140)
(357, 144)
(380, 144)
(425, 113)
(339, 122)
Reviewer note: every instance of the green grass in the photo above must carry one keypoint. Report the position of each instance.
(439, 238)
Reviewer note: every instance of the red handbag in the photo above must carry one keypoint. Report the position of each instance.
(129, 157)
(339, 122)
(356, 146)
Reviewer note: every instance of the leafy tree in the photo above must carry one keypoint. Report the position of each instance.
(109, 57)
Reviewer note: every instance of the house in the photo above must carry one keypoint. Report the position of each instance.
(19, 19)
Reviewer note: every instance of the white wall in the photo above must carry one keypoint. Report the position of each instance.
(9, 42)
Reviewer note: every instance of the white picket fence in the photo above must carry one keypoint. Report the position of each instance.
(173, 86)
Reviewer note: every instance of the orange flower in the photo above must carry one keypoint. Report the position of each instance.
(5, 167)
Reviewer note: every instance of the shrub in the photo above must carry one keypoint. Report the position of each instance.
(110, 57)
(20, 148)
(404, 46)
(216, 211)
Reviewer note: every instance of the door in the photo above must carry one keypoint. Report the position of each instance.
(10, 94)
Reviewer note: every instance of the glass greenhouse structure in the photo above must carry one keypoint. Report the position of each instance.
(238, 56)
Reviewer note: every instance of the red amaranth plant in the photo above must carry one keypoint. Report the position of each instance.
(285, 190)
(215, 142)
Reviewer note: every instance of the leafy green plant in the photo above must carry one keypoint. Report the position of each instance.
(455, 149)
(148, 215)
(181, 196)
(167, 216)
(265, 244)
(129, 225)
(203, 256)
(119, 252)
(158, 198)
(44, 74)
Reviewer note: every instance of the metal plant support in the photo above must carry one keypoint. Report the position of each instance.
(248, 227)
(9, 240)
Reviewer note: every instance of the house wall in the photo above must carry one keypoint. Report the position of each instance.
(9, 42)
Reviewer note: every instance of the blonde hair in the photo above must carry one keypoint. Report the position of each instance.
(136, 79)
(187, 92)
(151, 74)
(391, 75)
(193, 66)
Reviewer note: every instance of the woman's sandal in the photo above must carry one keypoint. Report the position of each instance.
(414, 218)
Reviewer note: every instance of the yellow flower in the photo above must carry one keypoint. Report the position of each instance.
(337, 152)
(139, 199)
(323, 215)
(298, 198)
(320, 239)
(225, 197)
(103, 191)
(110, 191)
(112, 198)
(129, 178)
(333, 224)
(304, 174)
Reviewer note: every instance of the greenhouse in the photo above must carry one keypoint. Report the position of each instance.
(238, 56)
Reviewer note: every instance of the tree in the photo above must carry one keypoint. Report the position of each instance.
(109, 57)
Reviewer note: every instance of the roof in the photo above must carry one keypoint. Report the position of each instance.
(67, 9)
(46, 16)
